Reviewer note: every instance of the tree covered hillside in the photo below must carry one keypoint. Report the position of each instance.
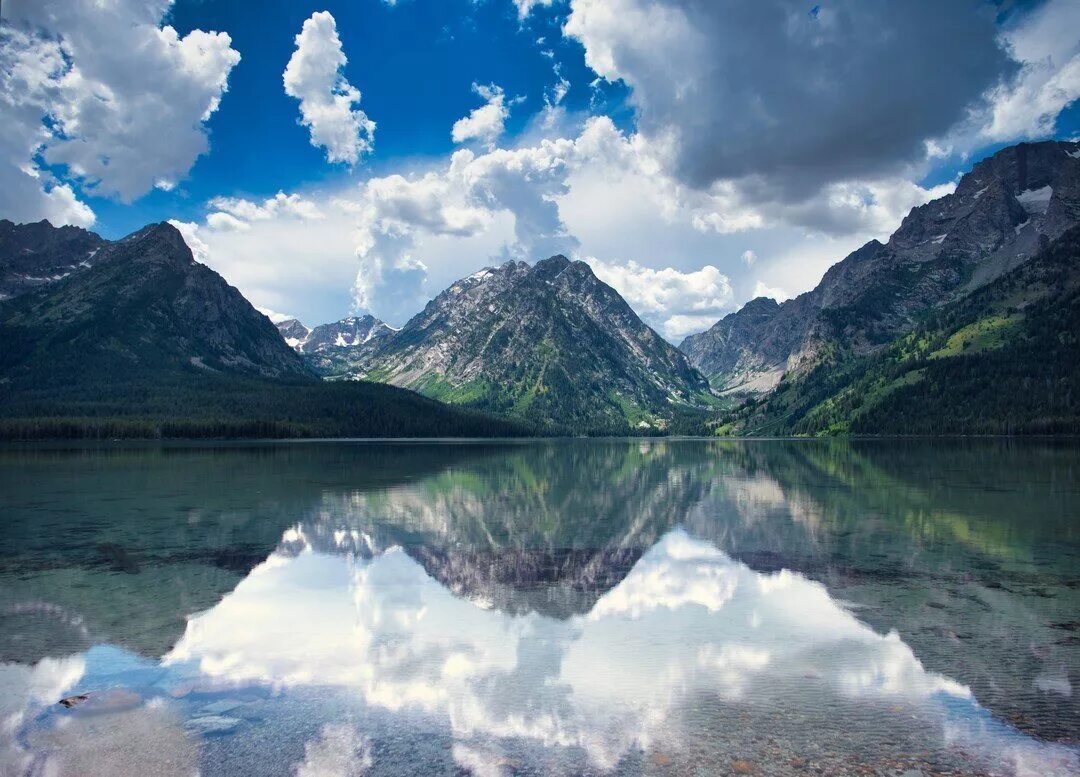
(1003, 360)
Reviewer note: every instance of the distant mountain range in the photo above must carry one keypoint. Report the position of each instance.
(346, 333)
(327, 347)
(965, 321)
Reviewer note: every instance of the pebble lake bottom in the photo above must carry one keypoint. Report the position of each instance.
(541, 607)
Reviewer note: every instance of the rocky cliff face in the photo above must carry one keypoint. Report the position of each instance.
(35, 255)
(1000, 214)
(550, 342)
(729, 352)
(144, 305)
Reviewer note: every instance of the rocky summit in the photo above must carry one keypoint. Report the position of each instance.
(329, 348)
(549, 342)
(1004, 211)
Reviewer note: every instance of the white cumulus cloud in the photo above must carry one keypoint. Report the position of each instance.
(327, 100)
(392, 242)
(526, 7)
(772, 292)
(1048, 46)
(280, 204)
(106, 94)
(667, 298)
(486, 123)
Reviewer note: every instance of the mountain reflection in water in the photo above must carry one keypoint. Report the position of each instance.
(626, 607)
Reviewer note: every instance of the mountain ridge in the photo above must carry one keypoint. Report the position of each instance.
(551, 345)
(327, 346)
(145, 303)
(37, 254)
(1004, 359)
(1001, 213)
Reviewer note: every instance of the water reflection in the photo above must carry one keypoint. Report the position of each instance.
(687, 626)
(556, 608)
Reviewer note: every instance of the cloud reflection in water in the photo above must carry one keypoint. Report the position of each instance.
(688, 629)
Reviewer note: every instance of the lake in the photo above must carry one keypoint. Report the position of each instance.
(550, 607)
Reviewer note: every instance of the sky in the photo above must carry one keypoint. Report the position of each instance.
(358, 156)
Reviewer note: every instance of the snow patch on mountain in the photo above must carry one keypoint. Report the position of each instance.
(1036, 200)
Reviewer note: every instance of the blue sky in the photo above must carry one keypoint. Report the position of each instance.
(414, 63)
(696, 154)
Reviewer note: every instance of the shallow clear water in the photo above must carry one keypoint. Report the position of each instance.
(585, 607)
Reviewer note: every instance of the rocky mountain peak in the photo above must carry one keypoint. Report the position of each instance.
(162, 238)
(1030, 188)
(761, 305)
(549, 342)
(1028, 166)
(145, 306)
(294, 332)
(552, 267)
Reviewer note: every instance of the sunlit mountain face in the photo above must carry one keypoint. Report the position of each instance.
(557, 608)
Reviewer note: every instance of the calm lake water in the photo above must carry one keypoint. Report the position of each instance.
(584, 607)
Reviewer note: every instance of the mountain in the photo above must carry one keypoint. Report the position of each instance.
(1004, 359)
(294, 333)
(144, 304)
(328, 347)
(145, 341)
(347, 333)
(1001, 213)
(732, 356)
(34, 255)
(550, 343)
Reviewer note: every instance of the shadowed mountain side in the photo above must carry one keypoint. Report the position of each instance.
(35, 255)
(145, 306)
(1003, 360)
